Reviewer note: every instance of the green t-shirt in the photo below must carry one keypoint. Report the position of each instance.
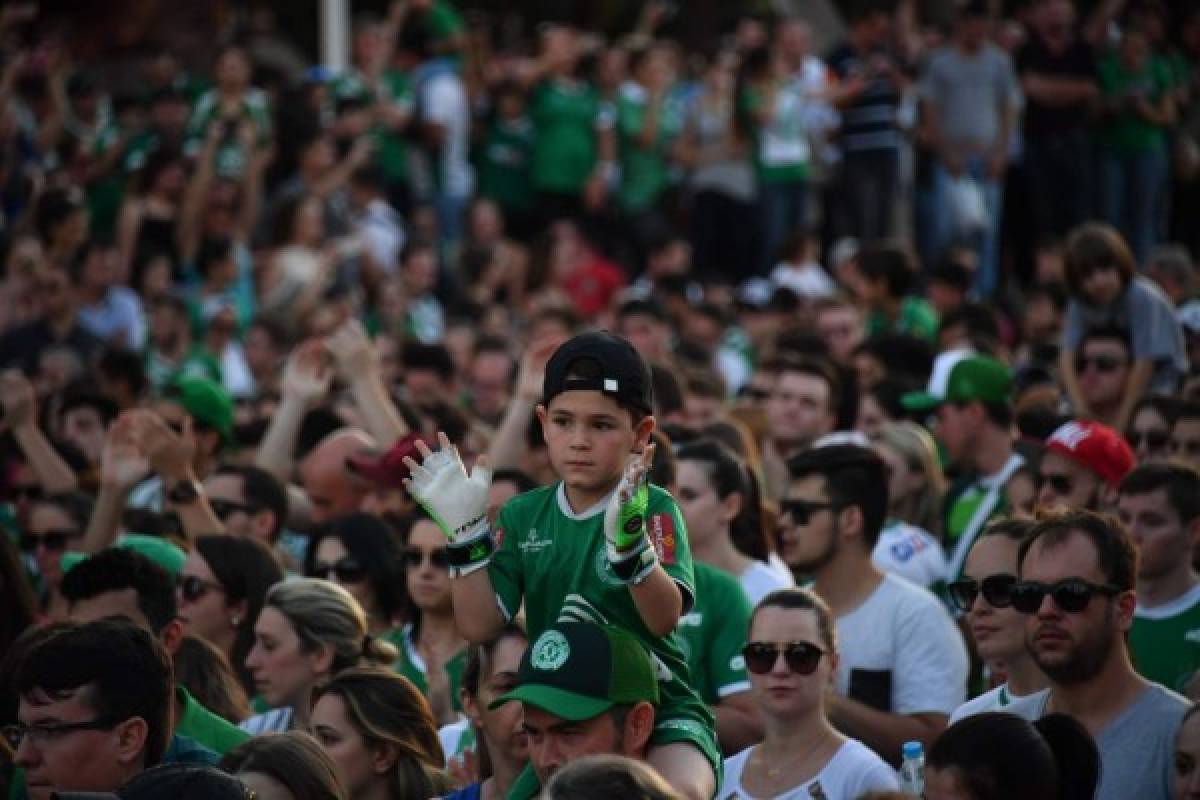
(410, 665)
(554, 560)
(203, 726)
(916, 318)
(198, 363)
(395, 88)
(645, 171)
(713, 633)
(781, 150)
(504, 162)
(565, 117)
(1165, 641)
(230, 160)
(1128, 132)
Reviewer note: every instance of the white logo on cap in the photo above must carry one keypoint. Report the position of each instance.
(610, 385)
(1070, 435)
(550, 651)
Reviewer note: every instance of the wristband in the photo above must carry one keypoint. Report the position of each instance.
(469, 556)
(634, 568)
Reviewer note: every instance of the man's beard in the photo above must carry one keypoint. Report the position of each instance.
(1085, 659)
(812, 565)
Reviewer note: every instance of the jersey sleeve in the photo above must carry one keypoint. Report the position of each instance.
(668, 534)
(505, 568)
(728, 624)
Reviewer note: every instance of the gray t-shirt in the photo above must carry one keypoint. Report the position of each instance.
(1155, 333)
(969, 92)
(1137, 748)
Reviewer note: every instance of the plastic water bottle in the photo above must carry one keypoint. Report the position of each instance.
(912, 770)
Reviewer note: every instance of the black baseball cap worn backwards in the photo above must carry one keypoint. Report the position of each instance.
(578, 671)
(602, 362)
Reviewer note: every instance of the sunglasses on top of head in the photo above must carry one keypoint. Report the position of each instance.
(996, 590)
(344, 570)
(801, 657)
(1071, 595)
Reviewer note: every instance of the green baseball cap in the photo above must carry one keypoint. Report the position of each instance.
(577, 671)
(981, 378)
(160, 551)
(206, 401)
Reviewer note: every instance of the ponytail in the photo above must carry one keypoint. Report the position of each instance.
(379, 651)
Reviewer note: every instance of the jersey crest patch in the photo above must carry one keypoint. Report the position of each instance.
(662, 536)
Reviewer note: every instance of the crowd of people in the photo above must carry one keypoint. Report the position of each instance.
(529, 411)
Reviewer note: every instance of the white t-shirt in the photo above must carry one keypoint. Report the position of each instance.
(853, 771)
(759, 580)
(445, 104)
(1026, 706)
(901, 652)
(910, 552)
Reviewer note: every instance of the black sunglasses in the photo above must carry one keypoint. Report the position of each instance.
(345, 570)
(1061, 484)
(1103, 364)
(227, 508)
(802, 510)
(54, 541)
(193, 588)
(1071, 595)
(1155, 440)
(31, 491)
(996, 590)
(801, 657)
(413, 557)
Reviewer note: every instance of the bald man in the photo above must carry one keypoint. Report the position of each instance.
(332, 489)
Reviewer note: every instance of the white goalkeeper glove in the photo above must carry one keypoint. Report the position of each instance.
(456, 501)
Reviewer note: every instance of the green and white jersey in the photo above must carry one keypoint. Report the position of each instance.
(1165, 640)
(713, 633)
(230, 160)
(554, 559)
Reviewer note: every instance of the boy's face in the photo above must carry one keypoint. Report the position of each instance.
(589, 437)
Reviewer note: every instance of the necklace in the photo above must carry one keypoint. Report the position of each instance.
(787, 765)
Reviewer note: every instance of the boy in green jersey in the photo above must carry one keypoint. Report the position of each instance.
(601, 546)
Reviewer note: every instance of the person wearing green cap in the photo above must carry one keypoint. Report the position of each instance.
(584, 689)
(974, 417)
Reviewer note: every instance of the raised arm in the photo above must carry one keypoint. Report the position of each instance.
(20, 412)
(170, 455)
(122, 467)
(508, 444)
(306, 379)
(358, 365)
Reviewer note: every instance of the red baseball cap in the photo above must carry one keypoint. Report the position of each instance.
(1097, 447)
(388, 469)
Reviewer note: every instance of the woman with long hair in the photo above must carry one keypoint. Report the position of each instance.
(501, 748)
(221, 591)
(432, 651)
(379, 731)
(53, 525)
(208, 676)
(358, 551)
(308, 631)
(720, 503)
(908, 545)
(792, 657)
(285, 766)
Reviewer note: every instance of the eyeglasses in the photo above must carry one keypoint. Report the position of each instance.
(344, 570)
(1155, 440)
(1071, 595)
(192, 588)
(32, 491)
(801, 657)
(1059, 484)
(1104, 364)
(55, 541)
(40, 733)
(414, 557)
(802, 510)
(996, 589)
(1180, 447)
(227, 508)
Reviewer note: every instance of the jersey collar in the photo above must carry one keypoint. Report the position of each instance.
(587, 513)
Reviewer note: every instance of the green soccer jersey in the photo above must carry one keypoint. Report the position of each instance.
(504, 161)
(1165, 641)
(554, 559)
(565, 116)
(645, 170)
(713, 633)
(230, 158)
(412, 666)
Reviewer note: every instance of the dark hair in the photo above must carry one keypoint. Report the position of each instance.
(246, 569)
(213, 250)
(368, 540)
(1164, 405)
(125, 666)
(202, 669)
(294, 759)
(261, 488)
(78, 396)
(817, 368)
(124, 365)
(800, 599)
(1093, 246)
(1188, 409)
(182, 782)
(893, 263)
(605, 776)
(854, 476)
(1115, 552)
(1108, 333)
(999, 756)
(76, 505)
(519, 478)
(434, 357)
(479, 664)
(664, 466)
(387, 710)
(1181, 482)
(120, 568)
(642, 306)
(667, 389)
(16, 597)
(729, 475)
(1015, 528)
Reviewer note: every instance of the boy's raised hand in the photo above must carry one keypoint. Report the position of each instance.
(625, 539)
(456, 501)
